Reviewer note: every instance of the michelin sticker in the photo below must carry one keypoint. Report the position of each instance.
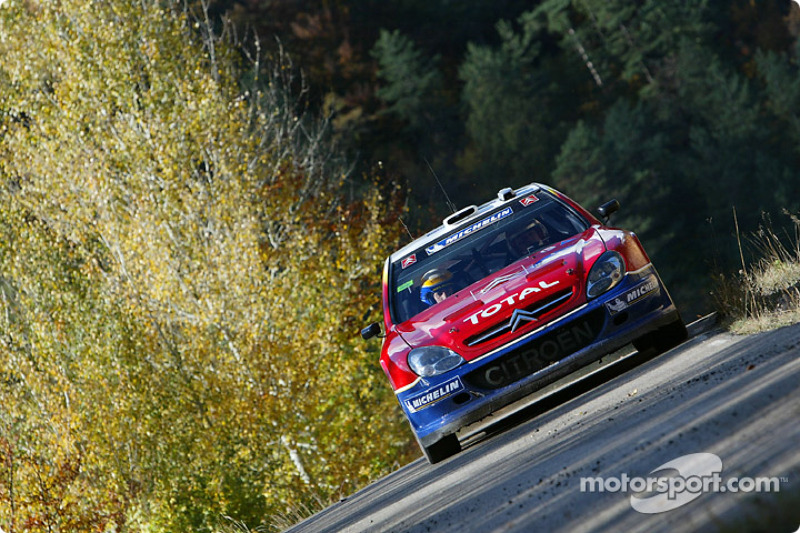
(455, 237)
(432, 396)
(620, 303)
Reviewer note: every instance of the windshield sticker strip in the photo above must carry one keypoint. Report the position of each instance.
(455, 237)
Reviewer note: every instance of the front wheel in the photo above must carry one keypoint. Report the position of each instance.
(443, 448)
(663, 338)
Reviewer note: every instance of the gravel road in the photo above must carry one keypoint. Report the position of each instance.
(737, 398)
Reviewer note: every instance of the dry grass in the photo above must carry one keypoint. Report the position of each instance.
(764, 294)
(275, 523)
(297, 514)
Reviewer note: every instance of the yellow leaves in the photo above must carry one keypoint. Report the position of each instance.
(182, 288)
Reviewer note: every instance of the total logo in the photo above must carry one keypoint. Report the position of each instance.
(514, 299)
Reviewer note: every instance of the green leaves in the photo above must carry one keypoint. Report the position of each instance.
(412, 79)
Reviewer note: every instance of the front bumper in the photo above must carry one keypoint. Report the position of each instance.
(442, 405)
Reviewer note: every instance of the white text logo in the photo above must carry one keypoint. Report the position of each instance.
(511, 300)
(664, 490)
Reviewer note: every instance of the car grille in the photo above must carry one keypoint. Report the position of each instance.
(538, 353)
(532, 313)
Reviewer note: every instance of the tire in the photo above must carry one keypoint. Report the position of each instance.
(443, 448)
(663, 338)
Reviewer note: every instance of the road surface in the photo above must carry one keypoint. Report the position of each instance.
(717, 395)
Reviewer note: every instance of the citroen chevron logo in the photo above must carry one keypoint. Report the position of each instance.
(520, 316)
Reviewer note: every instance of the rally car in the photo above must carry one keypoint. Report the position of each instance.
(507, 297)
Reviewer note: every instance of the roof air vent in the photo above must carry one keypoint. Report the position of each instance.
(458, 216)
(505, 194)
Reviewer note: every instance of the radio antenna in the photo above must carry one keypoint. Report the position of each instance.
(450, 204)
(406, 227)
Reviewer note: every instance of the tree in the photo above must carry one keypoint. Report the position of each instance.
(782, 85)
(411, 80)
(517, 111)
(182, 281)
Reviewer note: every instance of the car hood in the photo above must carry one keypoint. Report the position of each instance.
(511, 302)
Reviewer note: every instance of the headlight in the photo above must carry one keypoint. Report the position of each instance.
(433, 360)
(607, 271)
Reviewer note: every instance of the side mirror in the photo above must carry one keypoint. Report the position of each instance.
(373, 330)
(608, 209)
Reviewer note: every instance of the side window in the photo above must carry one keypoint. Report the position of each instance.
(564, 224)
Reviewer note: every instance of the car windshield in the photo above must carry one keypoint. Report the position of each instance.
(434, 272)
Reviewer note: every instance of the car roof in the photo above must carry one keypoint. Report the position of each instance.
(464, 218)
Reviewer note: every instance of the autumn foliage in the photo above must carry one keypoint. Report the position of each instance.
(182, 280)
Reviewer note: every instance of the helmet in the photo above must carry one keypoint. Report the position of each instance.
(534, 235)
(434, 281)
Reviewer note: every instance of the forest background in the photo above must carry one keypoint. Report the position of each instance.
(196, 199)
(683, 112)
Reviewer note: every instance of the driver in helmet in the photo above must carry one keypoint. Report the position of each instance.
(437, 284)
(532, 237)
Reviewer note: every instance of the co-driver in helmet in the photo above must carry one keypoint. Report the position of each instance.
(533, 237)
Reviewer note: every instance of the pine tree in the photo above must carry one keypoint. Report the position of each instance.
(411, 80)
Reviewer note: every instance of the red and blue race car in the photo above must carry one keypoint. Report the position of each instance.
(506, 298)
